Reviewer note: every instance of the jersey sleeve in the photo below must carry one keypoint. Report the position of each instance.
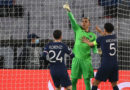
(93, 39)
(96, 45)
(98, 41)
(68, 51)
(45, 52)
(74, 24)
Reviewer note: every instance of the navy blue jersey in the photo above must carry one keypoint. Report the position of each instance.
(109, 66)
(55, 53)
(108, 46)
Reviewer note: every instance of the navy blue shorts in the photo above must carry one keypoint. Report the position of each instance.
(105, 73)
(61, 79)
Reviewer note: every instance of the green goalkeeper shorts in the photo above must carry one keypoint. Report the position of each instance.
(80, 67)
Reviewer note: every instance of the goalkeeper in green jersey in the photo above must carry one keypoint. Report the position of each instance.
(81, 64)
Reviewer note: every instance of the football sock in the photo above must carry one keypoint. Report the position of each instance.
(115, 88)
(94, 87)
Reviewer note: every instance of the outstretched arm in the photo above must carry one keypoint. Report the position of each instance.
(67, 7)
(99, 30)
(85, 40)
(74, 24)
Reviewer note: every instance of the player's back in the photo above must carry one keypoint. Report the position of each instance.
(109, 67)
(56, 54)
(109, 47)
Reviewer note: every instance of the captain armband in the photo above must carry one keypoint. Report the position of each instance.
(95, 43)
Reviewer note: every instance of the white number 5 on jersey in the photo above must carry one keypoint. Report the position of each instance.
(112, 47)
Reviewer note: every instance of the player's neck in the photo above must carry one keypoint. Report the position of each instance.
(57, 40)
(86, 29)
(108, 33)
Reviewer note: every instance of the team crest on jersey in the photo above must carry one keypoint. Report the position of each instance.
(90, 36)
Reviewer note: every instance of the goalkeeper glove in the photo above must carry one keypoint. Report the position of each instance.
(67, 7)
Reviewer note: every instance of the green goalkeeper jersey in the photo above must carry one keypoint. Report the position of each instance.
(81, 50)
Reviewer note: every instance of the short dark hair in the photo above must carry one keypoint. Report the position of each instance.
(85, 18)
(57, 34)
(109, 27)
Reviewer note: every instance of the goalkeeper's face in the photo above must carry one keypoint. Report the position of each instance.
(85, 23)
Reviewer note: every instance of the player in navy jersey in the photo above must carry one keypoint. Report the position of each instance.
(54, 52)
(109, 67)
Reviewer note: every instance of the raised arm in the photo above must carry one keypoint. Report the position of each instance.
(73, 21)
(99, 30)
